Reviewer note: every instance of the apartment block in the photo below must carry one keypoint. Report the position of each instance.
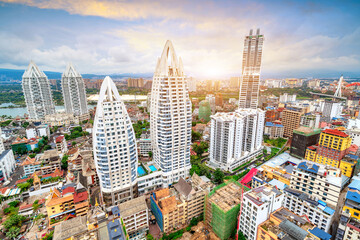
(322, 182)
(175, 207)
(303, 137)
(144, 144)
(284, 224)
(310, 120)
(135, 215)
(291, 120)
(317, 211)
(256, 207)
(274, 129)
(61, 144)
(50, 161)
(135, 82)
(30, 165)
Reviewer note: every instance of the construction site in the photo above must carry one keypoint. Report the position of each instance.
(222, 207)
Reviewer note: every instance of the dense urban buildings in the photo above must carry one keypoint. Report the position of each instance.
(135, 82)
(251, 66)
(73, 90)
(236, 137)
(170, 117)
(114, 147)
(37, 93)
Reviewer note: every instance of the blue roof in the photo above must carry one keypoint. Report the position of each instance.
(352, 156)
(278, 125)
(313, 169)
(115, 211)
(278, 184)
(355, 184)
(320, 233)
(353, 196)
(115, 230)
(329, 210)
(322, 203)
(269, 124)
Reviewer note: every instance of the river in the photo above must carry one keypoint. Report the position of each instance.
(13, 112)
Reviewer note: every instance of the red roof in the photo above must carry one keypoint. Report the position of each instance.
(21, 181)
(335, 132)
(79, 197)
(312, 147)
(25, 206)
(68, 190)
(249, 176)
(3, 190)
(59, 139)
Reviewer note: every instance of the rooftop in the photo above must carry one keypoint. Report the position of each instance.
(307, 131)
(262, 194)
(69, 228)
(226, 197)
(133, 206)
(50, 154)
(335, 132)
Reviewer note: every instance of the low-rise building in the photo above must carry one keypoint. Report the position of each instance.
(149, 177)
(274, 129)
(145, 144)
(74, 160)
(317, 211)
(175, 207)
(88, 176)
(284, 224)
(30, 165)
(61, 119)
(135, 215)
(256, 207)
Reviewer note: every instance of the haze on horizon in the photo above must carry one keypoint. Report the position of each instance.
(302, 38)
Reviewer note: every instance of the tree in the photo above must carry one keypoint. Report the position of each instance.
(241, 236)
(36, 205)
(13, 232)
(14, 220)
(218, 176)
(150, 154)
(36, 150)
(47, 147)
(25, 124)
(195, 136)
(33, 154)
(64, 162)
(150, 237)
(73, 143)
(24, 186)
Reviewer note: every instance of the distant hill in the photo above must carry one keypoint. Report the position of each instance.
(11, 75)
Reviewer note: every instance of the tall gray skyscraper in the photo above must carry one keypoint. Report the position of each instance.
(37, 92)
(170, 117)
(73, 90)
(114, 147)
(250, 79)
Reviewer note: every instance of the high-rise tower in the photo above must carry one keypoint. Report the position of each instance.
(73, 90)
(37, 92)
(250, 79)
(114, 147)
(170, 117)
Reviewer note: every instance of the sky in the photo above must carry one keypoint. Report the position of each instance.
(302, 38)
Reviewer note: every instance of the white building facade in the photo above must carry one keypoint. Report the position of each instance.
(236, 137)
(256, 207)
(73, 90)
(170, 117)
(331, 109)
(37, 93)
(114, 147)
(7, 161)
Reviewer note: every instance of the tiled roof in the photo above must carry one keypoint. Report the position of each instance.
(335, 132)
(59, 139)
(79, 197)
(68, 190)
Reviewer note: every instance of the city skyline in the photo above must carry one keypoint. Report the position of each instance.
(311, 42)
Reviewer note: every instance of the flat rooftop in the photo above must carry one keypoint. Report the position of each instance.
(262, 194)
(227, 197)
(133, 206)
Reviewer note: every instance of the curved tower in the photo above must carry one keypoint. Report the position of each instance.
(114, 147)
(170, 117)
(37, 93)
(73, 90)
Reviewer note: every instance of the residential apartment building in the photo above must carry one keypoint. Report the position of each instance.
(256, 207)
(236, 137)
(114, 146)
(284, 98)
(37, 93)
(291, 120)
(135, 82)
(303, 137)
(30, 165)
(61, 144)
(322, 182)
(144, 144)
(251, 67)
(274, 129)
(74, 160)
(149, 177)
(50, 161)
(175, 207)
(73, 90)
(331, 109)
(303, 204)
(310, 120)
(33, 131)
(135, 215)
(69, 200)
(170, 117)
(234, 82)
(284, 224)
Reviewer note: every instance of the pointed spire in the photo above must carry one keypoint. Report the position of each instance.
(70, 71)
(96, 202)
(168, 63)
(33, 71)
(108, 91)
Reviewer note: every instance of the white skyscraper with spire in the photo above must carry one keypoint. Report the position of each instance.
(73, 90)
(170, 117)
(114, 147)
(37, 92)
